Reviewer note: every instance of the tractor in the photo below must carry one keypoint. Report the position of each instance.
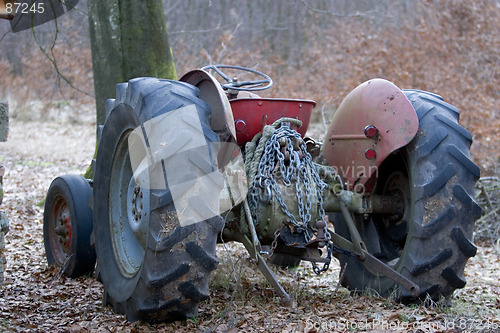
(182, 165)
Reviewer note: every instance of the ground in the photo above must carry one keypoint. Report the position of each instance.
(36, 297)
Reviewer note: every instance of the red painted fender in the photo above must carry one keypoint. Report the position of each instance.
(373, 120)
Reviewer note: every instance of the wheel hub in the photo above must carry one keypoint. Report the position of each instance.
(137, 211)
(60, 230)
(136, 204)
(63, 229)
(397, 185)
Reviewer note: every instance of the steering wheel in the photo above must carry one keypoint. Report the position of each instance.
(234, 84)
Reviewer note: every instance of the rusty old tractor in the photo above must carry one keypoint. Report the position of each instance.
(184, 164)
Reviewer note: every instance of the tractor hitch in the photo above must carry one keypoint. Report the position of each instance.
(374, 264)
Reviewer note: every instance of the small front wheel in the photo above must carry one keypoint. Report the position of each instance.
(67, 225)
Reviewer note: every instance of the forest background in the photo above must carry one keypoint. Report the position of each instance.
(319, 50)
(312, 49)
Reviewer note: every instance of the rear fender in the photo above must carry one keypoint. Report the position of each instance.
(374, 120)
(221, 120)
(211, 92)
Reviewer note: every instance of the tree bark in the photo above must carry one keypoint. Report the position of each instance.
(128, 39)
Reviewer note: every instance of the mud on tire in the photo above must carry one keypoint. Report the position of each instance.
(431, 241)
(152, 267)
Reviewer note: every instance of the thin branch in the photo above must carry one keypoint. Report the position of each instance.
(341, 277)
(5, 34)
(320, 11)
(487, 216)
(53, 59)
(173, 7)
(76, 9)
(323, 114)
(216, 28)
(224, 46)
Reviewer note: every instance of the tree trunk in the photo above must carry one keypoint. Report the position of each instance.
(128, 39)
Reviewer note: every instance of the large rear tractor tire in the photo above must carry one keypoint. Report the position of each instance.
(154, 266)
(67, 225)
(430, 240)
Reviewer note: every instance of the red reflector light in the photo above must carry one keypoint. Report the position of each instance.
(371, 131)
(370, 154)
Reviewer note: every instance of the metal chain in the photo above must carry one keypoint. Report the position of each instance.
(274, 244)
(326, 265)
(332, 248)
(345, 252)
(300, 170)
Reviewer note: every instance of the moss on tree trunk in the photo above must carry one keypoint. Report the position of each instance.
(128, 39)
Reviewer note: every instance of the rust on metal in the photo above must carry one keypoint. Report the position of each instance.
(374, 120)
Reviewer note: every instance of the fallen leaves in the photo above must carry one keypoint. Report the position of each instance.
(36, 297)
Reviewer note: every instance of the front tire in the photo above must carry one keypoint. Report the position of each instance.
(430, 240)
(153, 267)
(67, 225)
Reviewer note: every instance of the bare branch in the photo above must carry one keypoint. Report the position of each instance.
(355, 14)
(52, 59)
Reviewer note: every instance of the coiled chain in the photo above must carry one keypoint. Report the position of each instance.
(287, 144)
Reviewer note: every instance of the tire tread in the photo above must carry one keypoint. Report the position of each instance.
(177, 265)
